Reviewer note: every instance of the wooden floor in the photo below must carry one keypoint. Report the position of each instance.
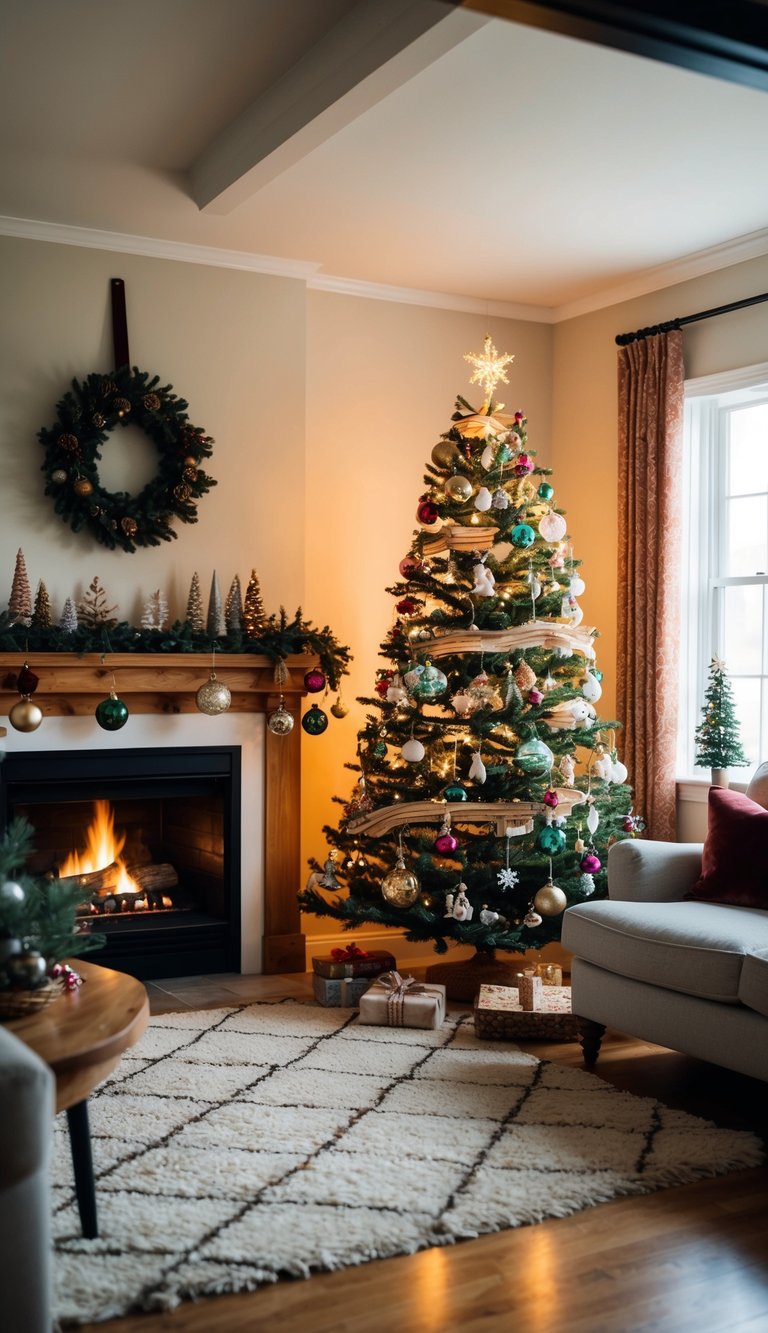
(687, 1260)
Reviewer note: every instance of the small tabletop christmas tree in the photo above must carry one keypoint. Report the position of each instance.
(488, 788)
(718, 741)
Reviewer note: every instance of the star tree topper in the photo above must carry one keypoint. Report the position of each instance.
(488, 367)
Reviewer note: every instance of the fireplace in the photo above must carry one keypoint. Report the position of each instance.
(154, 838)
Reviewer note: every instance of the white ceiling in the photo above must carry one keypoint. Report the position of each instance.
(483, 159)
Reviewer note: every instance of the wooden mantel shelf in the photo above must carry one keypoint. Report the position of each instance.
(71, 684)
(166, 683)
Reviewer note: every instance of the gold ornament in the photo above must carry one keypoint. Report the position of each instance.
(458, 487)
(488, 366)
(550, 900)
(445, 454)
(525, 676)
(400, 888)
(280, 722)
(25, 715)
(213, 697)
(339, 709)
(83, 486)
(189, 461)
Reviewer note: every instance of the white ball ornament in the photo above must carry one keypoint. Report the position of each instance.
(483, 499)
(11, 892)
(487, 457)
(413, 751)
(577, 585)
(619, 772)
(591, 688)
(552, 527)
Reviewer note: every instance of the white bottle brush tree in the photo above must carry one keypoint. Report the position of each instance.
(488, 790)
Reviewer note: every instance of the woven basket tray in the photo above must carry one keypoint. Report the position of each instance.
(539, 1025)
(18, 1003)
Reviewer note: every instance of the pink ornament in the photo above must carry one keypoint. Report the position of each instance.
(426, 511)
(535, 696)
(590, 863)
(445, 843)
(523, 465)
(314, 681)
(409, 566)
(551, 798)
(519, 416)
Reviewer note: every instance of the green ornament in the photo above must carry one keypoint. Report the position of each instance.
(430, 683)
(454, 792)
(380, 749)
(545, 491)
(598, 675)
(503, 454)
(314, 721)
(112, 713)
(551, 840)
(534, 758)
(522, 535)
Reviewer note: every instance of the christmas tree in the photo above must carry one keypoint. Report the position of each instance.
(718, 743)
(488, 789)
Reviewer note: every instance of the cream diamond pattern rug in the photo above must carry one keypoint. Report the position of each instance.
(236, 1146)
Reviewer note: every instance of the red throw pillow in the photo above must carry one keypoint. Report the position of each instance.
(734, 865)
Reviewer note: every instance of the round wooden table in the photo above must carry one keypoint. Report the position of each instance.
(81, 1035)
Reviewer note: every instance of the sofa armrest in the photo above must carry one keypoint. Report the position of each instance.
(652, 872)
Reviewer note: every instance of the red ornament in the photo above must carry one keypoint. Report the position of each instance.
(523, 465)
(535, 696)
(445, 843)
(314, 681)
(26, 681)
(409, 566)
(407, 606)
(590, 863)
(426, 511)
(551, 798)
(519, 416)
(382, 685)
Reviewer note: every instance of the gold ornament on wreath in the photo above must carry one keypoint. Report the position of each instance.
(86, 416)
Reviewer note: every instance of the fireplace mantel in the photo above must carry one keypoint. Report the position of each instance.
(71, 685)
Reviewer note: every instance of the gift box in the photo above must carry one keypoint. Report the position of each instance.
(339, 992)
(551, 974)
(529, 989)
(499, 1015)
(401, 1002)
(353, 962)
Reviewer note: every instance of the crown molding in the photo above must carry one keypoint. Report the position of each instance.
(472, 305)
(752, 246)
(155, 248)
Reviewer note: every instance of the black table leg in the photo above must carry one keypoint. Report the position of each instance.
(80, 1142)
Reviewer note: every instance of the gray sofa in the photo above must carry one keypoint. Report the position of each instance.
(27, 1095)
(688, 975)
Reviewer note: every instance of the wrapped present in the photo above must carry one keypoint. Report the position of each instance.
(339, 992)
(353, 962)
(402, 1002)
(529, 990)
(499, 1015)
(551, 974)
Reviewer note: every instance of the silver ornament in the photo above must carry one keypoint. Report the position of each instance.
(11, 892)
(458, 487)
(26, 969)
(400, 888)
(213, 697)
(280, 722)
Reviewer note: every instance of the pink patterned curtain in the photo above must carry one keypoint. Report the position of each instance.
(651, 390)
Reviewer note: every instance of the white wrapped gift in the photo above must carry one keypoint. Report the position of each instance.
(402, 1002)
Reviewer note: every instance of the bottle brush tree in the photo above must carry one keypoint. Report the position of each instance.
(718, 739)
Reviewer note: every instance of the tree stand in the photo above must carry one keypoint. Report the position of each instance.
(463, 980)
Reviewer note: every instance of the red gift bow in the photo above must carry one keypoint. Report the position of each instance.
(347, 955)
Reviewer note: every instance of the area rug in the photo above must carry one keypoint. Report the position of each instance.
(236, 1146)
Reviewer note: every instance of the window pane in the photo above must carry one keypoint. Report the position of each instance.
(746, 707)
(748, 451)
(743, 629)
(747, 535)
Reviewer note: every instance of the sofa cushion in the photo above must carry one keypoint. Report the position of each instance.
(753, 986)
(734, 863)
(694, 947)
(758, 786)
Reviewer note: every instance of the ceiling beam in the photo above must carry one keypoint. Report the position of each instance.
(728, 41)
(378, 46)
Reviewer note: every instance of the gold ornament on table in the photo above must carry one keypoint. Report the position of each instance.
(400, 888)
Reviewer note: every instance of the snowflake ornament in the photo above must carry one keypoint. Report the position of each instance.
(507, 878)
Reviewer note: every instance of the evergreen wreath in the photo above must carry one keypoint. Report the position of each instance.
(86, 415)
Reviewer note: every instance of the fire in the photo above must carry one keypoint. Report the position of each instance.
(103, 848)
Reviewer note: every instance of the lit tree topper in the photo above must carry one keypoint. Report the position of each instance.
(488, 367)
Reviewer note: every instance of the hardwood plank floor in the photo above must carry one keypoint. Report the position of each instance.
(688, 1260)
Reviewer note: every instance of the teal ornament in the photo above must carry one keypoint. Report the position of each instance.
(598, 675)
(380, 749)
(545, 491)
(314, 721)
(112, 713)
(534, 758)
(454, 792)
(522, 535)
(430, 684)
(551, 840)
(503, 454)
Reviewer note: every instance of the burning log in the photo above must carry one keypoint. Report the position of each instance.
(93, 881)
(152, 878)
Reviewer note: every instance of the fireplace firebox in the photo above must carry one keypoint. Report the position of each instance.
(154, 838)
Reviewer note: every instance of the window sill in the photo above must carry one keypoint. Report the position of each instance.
(697, 789)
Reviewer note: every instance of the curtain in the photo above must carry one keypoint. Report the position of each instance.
(651, 392)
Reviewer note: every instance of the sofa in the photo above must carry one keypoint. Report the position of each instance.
(678, 953)
(27, 1102)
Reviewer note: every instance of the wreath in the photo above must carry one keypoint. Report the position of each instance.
(85, 417)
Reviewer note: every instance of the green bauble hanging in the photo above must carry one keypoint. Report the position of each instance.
(545, 491)
(522, 535)
(454, 792)
(314, 721)
(534, 758)
(431, 683)
(551, 840)
(112, 713)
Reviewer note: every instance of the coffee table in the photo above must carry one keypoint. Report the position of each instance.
(81, 1036)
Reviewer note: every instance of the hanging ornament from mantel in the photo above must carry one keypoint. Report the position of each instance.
(280, 722)
(314, 721)
(112, 712)
(25, 715)
(213, 697)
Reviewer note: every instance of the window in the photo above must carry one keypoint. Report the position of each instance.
(724, 585)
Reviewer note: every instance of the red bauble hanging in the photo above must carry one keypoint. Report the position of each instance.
(314, 681)
(426, 512)
(409, 566)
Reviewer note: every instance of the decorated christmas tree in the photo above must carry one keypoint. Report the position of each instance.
(488, 790)
(718, 742)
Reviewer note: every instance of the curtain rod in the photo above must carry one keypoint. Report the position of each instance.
(623, 339)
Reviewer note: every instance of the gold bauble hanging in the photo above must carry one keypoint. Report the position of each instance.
(25, 715)
(550, 900)
(400, 888)
(213, 697)
(339, 709)
(445, 453)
